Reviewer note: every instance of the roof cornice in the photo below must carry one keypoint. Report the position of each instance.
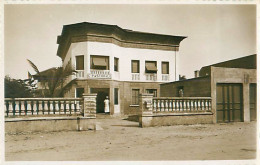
(86, 31)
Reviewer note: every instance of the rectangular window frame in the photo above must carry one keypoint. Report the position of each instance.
(116, 64)
(138, 66)
(135, 96)
(79, 62)
(155, 94)
(92, 66)
(77, 92)
(150, 71)
(167, 69)
(116, 94)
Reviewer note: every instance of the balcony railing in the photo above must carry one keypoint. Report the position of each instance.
(42, 106)
(99, 74)
(135, 76)
(182, 104)
(80, 74)
(151, 76)
(165, 77)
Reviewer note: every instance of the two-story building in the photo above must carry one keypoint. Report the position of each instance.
(117, 63)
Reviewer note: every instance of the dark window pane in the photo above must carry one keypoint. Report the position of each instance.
(135, 66)
(152, 91)
(80, 62)
(116, 64)
(135, 96)
(116, 96)
(79, 92)
(165, 67)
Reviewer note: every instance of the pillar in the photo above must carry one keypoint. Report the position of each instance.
(89, 105)
(145, 110)
(246, 102)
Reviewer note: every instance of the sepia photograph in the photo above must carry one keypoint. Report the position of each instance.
(157, 81)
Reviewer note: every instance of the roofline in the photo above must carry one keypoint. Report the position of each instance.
(228, 61)
(86, 31)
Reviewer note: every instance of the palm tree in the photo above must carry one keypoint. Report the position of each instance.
(52, 80)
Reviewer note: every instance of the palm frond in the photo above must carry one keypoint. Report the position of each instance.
(34, 66)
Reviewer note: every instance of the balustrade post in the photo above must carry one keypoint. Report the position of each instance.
(145, 109)
(89, 105)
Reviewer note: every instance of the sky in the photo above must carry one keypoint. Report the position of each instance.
(215, 33)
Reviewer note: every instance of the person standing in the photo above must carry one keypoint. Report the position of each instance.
(106, 102)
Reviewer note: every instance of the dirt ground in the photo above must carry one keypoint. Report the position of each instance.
(124, 140)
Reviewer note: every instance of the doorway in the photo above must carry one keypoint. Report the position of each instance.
(102, 93)
(229, 103)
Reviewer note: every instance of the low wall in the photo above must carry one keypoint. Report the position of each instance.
(49, 124)
(168, 119)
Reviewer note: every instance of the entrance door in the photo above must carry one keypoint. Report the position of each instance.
(102, 93)
(253, 102)
(229, 102)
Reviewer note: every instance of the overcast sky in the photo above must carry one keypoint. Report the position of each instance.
(215, 32)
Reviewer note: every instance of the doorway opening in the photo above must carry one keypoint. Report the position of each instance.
(102, 93)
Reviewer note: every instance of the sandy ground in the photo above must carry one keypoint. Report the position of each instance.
(124, 140)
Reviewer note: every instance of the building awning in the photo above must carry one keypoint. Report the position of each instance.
(99, 62)
(150, 67)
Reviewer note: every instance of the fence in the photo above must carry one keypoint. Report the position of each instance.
(181, 104)
(42, 106)
(162, 111)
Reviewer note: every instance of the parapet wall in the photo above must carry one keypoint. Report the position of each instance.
(49, 124)
(169, 119)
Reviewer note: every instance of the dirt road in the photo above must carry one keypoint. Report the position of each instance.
(124, 140)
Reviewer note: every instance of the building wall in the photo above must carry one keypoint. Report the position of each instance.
(248, 62)
(233, 75)
(125, 56)
(125, 92)
(197, 87)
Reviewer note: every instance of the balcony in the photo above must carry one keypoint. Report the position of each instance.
(135, 76)
(80, 74)
(151, 76)
(165, 77)
(96, 74)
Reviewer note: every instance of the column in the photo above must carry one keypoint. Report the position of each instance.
(145, 110)
(89, 105)
(246, 102)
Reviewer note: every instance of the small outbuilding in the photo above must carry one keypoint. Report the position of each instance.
(230, 84)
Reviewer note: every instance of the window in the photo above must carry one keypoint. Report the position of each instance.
(152, 91)
(150, 67)
(116, 64)
(80, 62)
(79, 92)
(135, 96)
(116, 96)
(135, 66)
(99, 62)
(165, 67)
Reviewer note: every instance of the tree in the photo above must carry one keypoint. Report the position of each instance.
(53, 79)
(17, 88)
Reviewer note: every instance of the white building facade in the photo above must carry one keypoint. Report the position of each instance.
(117, 63)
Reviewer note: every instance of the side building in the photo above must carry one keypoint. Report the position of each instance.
(117, 63)
(230, 84)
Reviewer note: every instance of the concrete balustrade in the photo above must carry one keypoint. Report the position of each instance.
(42, 106)
(163, 111)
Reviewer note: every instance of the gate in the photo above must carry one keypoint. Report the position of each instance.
(229, 103)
